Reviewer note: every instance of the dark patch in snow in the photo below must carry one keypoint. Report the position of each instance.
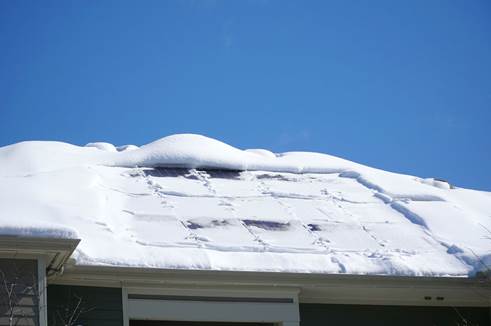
(186, 173)
(166, 172)
(279, 177)
(218, 223)
(453, 249)
(194, 225)
(314, 227)
(267, 225)
(342, 268)
(224, 174)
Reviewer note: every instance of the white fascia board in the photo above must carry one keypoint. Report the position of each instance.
(312, 288)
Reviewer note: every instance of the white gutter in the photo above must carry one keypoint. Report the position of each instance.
(313, 288)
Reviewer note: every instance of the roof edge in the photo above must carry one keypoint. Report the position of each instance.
(56, 250)
(226, 275)
(312, 288)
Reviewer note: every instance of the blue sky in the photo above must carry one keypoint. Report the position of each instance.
(400, 85)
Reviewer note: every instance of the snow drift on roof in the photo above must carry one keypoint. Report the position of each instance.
(188, 201)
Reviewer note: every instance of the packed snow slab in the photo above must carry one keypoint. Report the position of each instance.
(190, 202)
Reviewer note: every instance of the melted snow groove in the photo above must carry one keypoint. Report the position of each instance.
(391, 200)
(411, 216)
(357, 176)
(395, 203)
(380, 191)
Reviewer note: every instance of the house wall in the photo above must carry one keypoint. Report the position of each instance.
(98, 305)
(332, 314)
(104, 307)
(19, 292)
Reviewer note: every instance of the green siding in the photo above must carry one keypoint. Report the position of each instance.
(330, 314)
(103, 305)
(105, 309)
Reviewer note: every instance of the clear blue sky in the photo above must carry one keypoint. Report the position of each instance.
(400, 85)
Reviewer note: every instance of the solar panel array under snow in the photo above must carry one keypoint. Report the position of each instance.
(345, 218)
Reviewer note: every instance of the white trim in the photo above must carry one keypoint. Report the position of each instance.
(268, 305)
(42, 291)
(126, 319)
(314, 288)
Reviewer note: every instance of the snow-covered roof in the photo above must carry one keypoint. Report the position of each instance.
(191, 202)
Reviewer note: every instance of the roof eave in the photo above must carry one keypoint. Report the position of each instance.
(56, 250)
(313, 288)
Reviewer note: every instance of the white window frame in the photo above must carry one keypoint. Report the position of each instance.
(260, 305)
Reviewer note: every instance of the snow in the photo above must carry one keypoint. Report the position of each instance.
(191, 202)
(107, 147)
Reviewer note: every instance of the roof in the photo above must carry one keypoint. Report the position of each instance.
(191, 202)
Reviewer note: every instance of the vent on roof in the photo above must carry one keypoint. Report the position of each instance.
(437, 182)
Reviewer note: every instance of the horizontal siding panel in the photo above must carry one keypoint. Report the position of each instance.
(4, 321)
(19, 311)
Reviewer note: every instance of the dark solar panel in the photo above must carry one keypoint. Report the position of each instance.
(180, 172)
(267, 225)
